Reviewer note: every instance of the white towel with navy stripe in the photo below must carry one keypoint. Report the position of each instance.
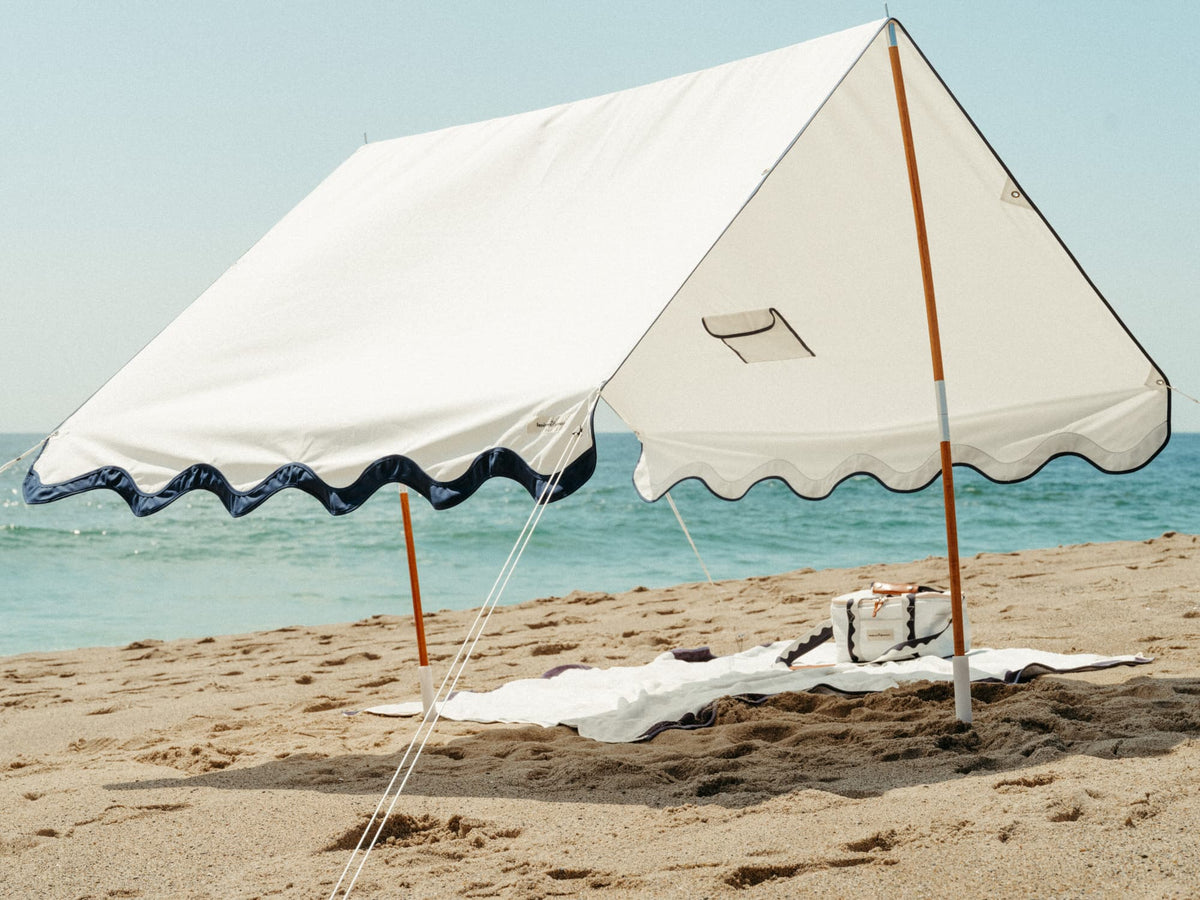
(632, 703)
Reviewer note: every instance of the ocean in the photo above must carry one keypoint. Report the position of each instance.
(86, 572)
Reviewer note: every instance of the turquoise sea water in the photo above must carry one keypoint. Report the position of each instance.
(84, 571)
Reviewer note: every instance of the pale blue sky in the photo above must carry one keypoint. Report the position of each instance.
(147, 145)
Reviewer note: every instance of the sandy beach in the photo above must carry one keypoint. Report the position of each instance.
(227, 767)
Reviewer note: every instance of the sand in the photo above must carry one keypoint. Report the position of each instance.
(226, 767)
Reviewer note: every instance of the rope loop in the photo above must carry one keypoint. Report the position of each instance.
(1171, 387)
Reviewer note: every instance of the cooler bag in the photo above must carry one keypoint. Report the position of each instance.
(886, 622)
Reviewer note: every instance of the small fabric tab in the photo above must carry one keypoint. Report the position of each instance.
(1014, 195)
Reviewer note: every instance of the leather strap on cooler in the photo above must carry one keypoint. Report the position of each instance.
(894, 590)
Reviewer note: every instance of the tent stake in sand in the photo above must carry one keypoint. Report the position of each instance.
(962, 672)
(425, 675)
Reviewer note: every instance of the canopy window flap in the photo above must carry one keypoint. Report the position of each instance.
(758, 335)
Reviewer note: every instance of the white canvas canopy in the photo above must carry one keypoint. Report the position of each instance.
(728, 258)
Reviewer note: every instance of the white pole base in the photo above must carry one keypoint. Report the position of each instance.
(962, 689)
(425, 674)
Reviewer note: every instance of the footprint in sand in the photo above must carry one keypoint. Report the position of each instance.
(325, 704)
(551, 649)
(749, 876)
(412, 831)
(195, 760)
(594, 879)
(881, 840)
(1011, 785)
(352, 658)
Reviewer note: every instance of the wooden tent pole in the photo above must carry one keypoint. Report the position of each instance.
(962, 676)
(424, 673)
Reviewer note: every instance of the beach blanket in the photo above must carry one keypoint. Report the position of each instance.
(677, 689)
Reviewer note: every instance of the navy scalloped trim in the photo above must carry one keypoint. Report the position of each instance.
(498, 462)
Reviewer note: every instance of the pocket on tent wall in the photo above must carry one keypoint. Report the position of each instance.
(757, 335)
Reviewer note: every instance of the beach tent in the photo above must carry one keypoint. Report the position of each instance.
(754, 265)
